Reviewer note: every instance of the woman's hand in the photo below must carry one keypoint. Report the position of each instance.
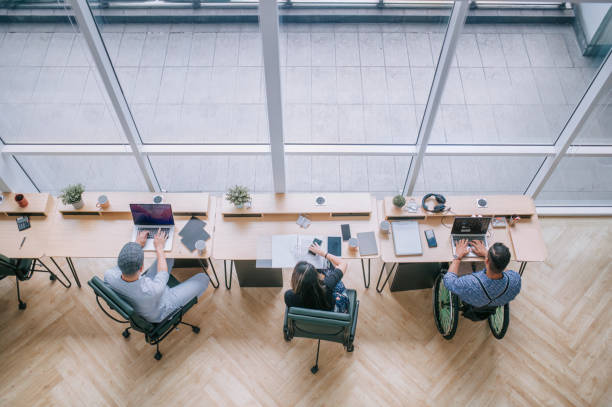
(315, 248)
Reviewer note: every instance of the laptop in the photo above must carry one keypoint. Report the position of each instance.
(151, 218)
(471, 228)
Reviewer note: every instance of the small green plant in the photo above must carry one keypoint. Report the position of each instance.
(399, 201)
(72, 194)
(238, 195)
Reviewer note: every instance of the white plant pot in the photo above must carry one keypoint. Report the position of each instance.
(239, 206)
(78, 205)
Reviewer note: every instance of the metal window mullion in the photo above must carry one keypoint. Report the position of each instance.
(574, 125)
(455, 25)
(88, 27)
(268, 25)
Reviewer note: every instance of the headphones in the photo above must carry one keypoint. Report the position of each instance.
(440, 207)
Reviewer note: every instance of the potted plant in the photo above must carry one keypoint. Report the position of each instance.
(238, 195)
(399, 201)
(73, 194)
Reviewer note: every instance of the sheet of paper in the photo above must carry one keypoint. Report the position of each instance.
(287, 250)
(303, 243)
(264, 253)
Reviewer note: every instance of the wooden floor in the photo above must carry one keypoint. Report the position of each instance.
(62, 350)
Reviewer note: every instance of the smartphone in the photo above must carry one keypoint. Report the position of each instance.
(431, 238)
(334, 245)
(317, 241)
(346, 232)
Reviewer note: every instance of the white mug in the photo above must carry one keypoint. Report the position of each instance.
(200, 246)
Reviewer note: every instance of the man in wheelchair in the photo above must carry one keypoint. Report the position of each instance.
(483, 291)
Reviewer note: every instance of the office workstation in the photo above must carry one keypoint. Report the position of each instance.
(409, 203)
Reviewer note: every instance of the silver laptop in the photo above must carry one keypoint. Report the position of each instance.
(471, 228)
(151, 218)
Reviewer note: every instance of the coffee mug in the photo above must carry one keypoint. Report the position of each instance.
(200, 246)
(21, 200)
(385, 226)
(353, 243)
(158, 199)
(103, 202)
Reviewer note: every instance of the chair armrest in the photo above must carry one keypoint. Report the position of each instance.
(354, 325)
(172, 320)
(286, 320)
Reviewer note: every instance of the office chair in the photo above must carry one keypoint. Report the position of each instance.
(24, 269)
(446, 307)
(154, 332)
(325, 325)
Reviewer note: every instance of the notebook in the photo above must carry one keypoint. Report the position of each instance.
(192, 232)
(367, 244)
(406, 239)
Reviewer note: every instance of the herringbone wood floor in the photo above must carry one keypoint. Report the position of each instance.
(63, 351)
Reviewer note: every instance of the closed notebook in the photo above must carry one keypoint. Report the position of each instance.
(406, 239)
(367, 244)
(192, 232)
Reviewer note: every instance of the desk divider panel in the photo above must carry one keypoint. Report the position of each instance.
(183, 204)
(39, 204)
(336, 204)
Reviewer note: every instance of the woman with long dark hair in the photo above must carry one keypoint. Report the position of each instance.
(312, 288)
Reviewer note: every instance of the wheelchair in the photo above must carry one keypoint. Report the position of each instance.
(446, 307)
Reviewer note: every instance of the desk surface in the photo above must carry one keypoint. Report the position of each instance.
(524, 239)
(101, 235)
(238, 238)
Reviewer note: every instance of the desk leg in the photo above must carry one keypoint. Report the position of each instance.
(213, 270)
(73, 270)
(522, 268)
(366, 282)
(228, 286)
(52, 275)
(382, 269)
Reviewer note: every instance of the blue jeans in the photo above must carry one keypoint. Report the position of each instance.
(342, 300)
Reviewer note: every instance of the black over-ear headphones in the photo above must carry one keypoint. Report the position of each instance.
(440, 207)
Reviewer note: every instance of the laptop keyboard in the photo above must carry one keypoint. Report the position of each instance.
(457, 238)
(153, 231)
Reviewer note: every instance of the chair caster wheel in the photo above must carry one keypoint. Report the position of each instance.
(195, 329)
(52, 277)
(22, 305)
(314, 369)
(158, 355)
(350, 348)
(126, 334)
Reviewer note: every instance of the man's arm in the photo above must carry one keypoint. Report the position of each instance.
(451, 279)
(162, 276)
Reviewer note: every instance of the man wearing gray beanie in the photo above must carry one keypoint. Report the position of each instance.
(148, 292)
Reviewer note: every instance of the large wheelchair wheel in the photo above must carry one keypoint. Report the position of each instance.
(446, 309)
(499, 320)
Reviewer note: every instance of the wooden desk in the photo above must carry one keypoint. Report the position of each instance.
(524, 240)
(103, 234)
(39, 205)
(237, 238)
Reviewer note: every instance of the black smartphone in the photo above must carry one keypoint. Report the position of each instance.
(317, 241)
(431, 238)
(334, 245)
(346, 232)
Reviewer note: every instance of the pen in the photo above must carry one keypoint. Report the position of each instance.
(21, 245)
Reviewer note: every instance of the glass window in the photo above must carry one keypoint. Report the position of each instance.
(213, 173)
(346, 173)
(190, 83)
(50, 91)
(97, 173)
(598, 128)
(469, 175)
(357, 83)
(512, 84)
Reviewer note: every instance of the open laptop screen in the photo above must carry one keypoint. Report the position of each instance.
(152, 214)
(470, 226)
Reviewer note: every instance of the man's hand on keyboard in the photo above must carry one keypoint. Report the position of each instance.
(141, 239)
(461, 248)
(159, 241)
(478, 248)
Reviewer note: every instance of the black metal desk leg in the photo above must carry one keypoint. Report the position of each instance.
(366, 282)
(53, 276)
(522, 268)
(213, 270)
(382, 269)
(228, 286)
(73, 270)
